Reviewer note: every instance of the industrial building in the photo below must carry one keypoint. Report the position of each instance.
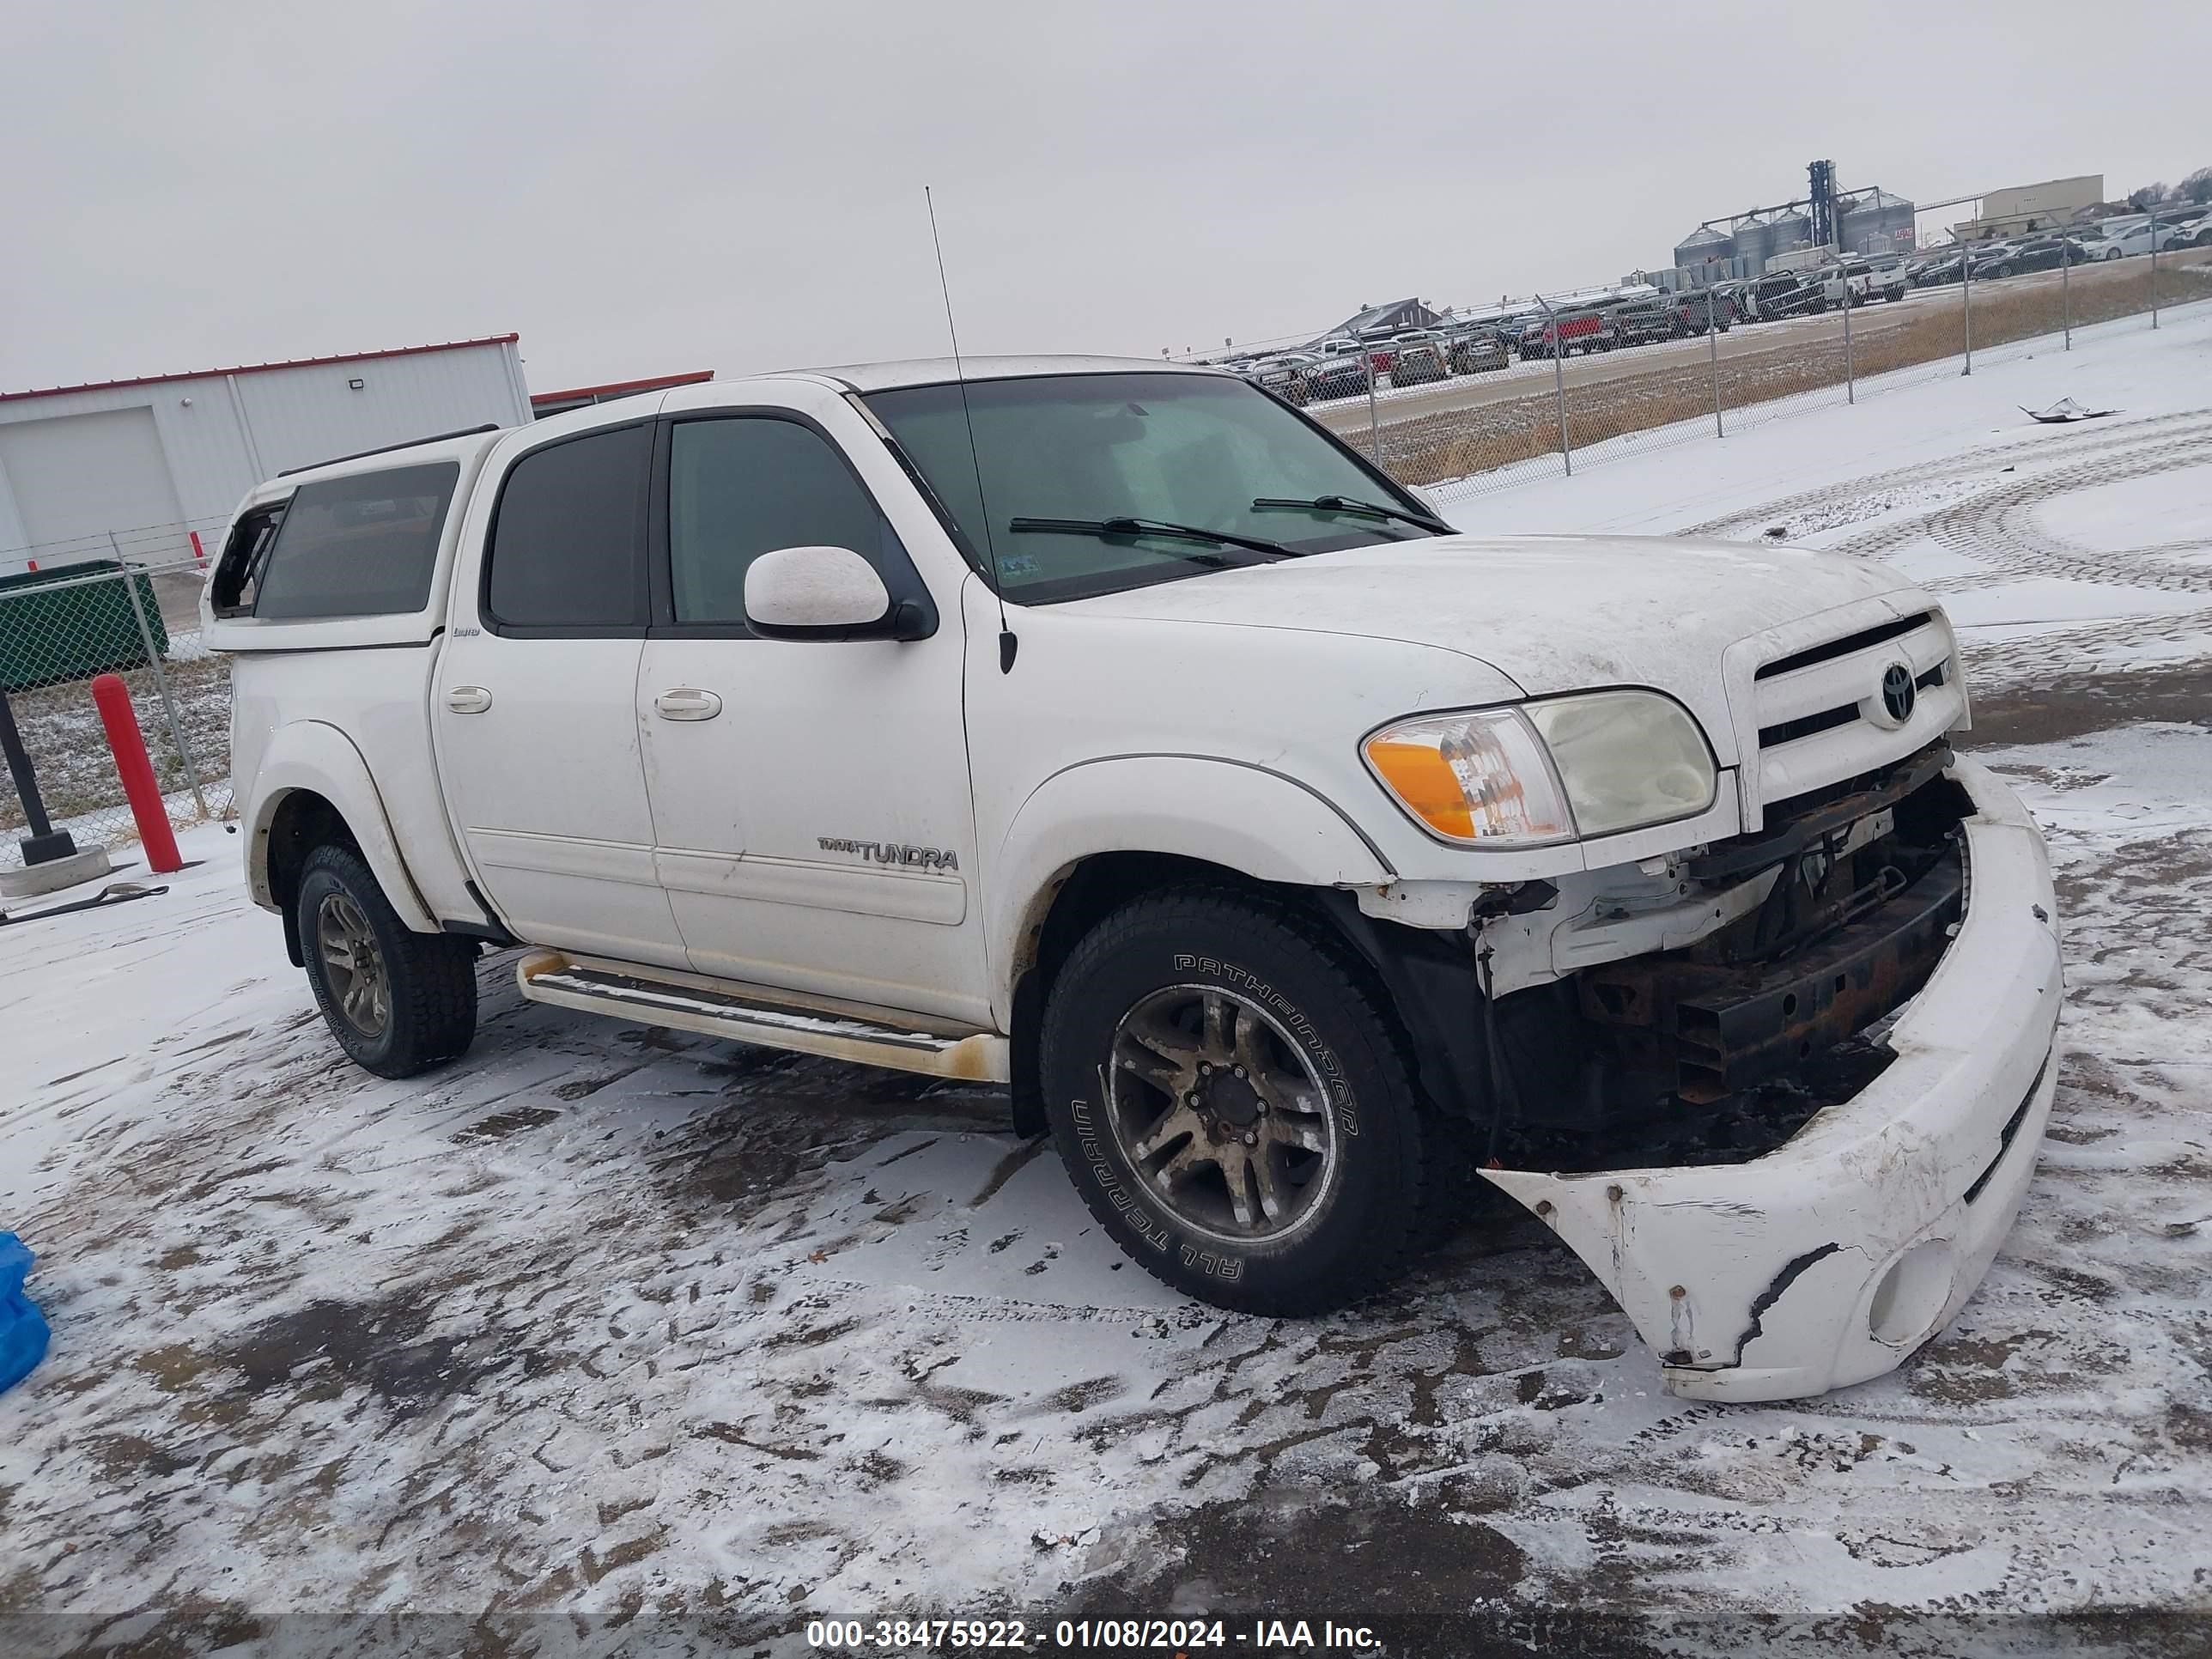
(152, 468)
(1869, 220)
(2020, 210)
(1371, 321)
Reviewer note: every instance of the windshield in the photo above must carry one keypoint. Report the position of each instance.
(1195, 450)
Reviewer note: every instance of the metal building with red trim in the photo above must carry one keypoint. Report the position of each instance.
(140, 466)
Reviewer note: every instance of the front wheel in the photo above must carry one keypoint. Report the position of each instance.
(1227, 1093)
(398, 1002)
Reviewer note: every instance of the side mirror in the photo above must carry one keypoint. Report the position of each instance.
(820, 594)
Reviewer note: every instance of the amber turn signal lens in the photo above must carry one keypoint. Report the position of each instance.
(1423, 779)
(1480, 776)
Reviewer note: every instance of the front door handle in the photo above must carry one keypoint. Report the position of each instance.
(468, 699)
(687, 703)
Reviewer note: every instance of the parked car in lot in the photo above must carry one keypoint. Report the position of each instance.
(1885, 277)
(2127, 241)
(1418, 357)
(1642, 322)
(1477, 351)
(1696, 311)
(1289, 376)
(2031, 253)
(1982, 256)
(1567, 330)
(1861, 282)
(1784, 293)
(1941, 269)
(1106, 731)
(1510, 325)
(1339, 371)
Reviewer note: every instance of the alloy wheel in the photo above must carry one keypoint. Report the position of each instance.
(1222, 1113)
(353, 965)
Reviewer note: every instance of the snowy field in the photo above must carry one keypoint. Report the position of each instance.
(698, 1342)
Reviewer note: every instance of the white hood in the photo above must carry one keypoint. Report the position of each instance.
(1552, 614)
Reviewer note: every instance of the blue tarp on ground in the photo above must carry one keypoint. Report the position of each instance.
(23, 1332)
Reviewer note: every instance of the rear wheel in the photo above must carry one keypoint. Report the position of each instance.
(1231, 1100)
(398, 1002)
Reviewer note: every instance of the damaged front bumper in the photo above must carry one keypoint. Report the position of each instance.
(1830, 1259)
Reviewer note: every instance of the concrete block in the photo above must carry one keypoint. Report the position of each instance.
(34, 879)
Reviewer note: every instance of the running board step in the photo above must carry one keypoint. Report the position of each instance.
(549, 977)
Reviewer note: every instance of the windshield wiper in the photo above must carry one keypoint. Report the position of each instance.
(1133, 527)
(1347, 504)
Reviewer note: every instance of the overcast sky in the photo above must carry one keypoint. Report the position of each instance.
(641, 189)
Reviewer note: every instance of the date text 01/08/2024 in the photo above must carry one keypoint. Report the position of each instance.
(1087, 1635)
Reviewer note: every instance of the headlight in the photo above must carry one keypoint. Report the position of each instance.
(1627, 758)
(1588, 765)
(1480, 776)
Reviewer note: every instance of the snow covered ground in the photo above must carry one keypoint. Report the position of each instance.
(700, 1342)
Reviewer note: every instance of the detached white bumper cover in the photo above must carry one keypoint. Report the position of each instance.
(1827, 1261)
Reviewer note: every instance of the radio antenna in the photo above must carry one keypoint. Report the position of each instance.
(1007, 643)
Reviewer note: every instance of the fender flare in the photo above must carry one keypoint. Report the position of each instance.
(1237, 814)
(315, 757)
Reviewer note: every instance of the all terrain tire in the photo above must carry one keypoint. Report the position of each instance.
(399, 1002)
(1230, 1095)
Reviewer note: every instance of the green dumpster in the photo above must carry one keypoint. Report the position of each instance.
(55, 626)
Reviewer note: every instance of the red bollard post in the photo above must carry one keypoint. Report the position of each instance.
(113, 698)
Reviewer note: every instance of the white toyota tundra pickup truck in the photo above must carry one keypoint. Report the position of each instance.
(1110, 731)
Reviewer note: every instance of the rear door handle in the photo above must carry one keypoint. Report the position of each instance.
(686, 703)
(468, 699)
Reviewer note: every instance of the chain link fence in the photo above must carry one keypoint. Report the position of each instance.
(1486, 398)
(62, 626)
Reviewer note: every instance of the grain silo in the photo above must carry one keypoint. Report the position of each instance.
(1753, 241)
(1704, 253)
(1875, 221)
(1787, 232)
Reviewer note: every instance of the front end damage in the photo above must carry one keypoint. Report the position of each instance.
(1867, 1030)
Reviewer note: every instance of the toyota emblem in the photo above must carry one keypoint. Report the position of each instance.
(1897, 693)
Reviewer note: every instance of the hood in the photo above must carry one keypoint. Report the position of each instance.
(1552, 614)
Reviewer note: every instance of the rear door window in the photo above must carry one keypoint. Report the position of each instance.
(567, 537)
(365, 545)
